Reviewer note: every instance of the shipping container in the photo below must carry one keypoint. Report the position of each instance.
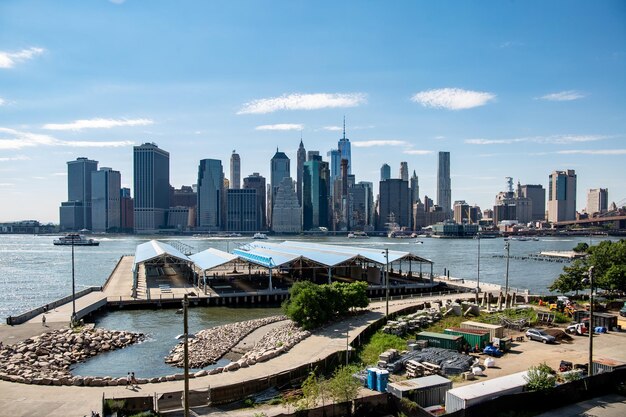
(495, 330)
(440, 340)
(606, 365)
(479, 392)
(599, 319)
(471, 336)
(425, 391)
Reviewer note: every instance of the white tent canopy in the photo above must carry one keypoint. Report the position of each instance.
(154, 249)
(212, 258)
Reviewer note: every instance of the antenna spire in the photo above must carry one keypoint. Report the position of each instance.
(344, 126)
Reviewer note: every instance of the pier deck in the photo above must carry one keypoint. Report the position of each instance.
(84, 305)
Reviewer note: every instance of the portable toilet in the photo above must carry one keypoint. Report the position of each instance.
(371, 378)
(382, 379)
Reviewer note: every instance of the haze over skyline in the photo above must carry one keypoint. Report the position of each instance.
(515, 89)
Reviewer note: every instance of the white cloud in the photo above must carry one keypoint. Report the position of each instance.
(2, 101)
(302, 102)
(594, 152)
(568, 95)
(453, 98)
(281, 126)
(59, 174)
(553, 139)
(15, 158)
(371, 143)
(97, 123)
(9, 59)
(11, 139)
(417, 152)
(7, 184)
(333, 128)
(117, 1)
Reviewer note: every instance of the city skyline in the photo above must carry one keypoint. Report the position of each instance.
(510, 90)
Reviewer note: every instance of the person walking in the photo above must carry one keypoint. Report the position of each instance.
(128, 380)
(43, 320)
(133, 380)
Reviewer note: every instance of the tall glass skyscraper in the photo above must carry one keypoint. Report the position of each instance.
(235, 171)
(562, 196)
(279, 169)
(105, 200)
(75, 213)
(151, 183)
(315, 193)
(344, 148)
(301, 159)
(444, 190)
(210, 192)
(385, 172)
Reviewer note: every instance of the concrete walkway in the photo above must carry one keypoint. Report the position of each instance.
(35, 400)
(63, 313)
(612, 405)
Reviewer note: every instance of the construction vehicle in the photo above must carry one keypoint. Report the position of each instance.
(565, 366)
(563, 307)
(580, 329)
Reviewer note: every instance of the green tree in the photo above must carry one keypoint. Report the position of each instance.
(540, 378)
(571, 280)
(581, 247)
(343, 386)
(311, 390)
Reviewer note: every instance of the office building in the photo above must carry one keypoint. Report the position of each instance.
(461, 212)
(444, 190)
(361, 201)
(257, 182)
(404, 171)
(279, 169)
(512, 205)
(562, 196)
(344, 148)
(151, 184)
(334, 158)
(75, 213)
(180, 218)
(385, 172)
(537, 195)
(127, 215)
(415, 188)
(286, 213)
(394, 204)
(315, 194)
(210, 195)
(597, 201)
(300, 160)
(242, 211)
(235, 171)
(105, 200)
(185, 196)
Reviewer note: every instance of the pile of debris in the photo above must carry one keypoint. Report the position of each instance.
(413, 322)
(427, 361)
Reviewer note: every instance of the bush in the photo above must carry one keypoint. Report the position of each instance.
(379, 343)
(561, 318)
(540, 378)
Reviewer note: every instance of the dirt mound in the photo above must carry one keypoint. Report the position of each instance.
(559, 334)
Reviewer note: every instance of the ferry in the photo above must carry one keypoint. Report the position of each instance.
(358, 235)
(259, 236)
(76, 240)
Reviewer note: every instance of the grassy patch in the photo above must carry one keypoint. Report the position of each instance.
(379, 343)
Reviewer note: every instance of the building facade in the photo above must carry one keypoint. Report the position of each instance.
(344, 148)
(127, 209)
(537, 195)
(562, 196)
(300, 160)
(444, 186)
(385, 172)
(105, 200)
(315, 194)
(597, 201)
(235, 171)
(404, 171)
(394, 204)
(279, 169)
(242, 209)
(257, 182)
(210, 195)
(75, 213)
(151, 184)
(287, 214)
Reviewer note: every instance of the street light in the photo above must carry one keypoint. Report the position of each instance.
(478, 262)
(73, 319)
(348, 344)
(186, 355)
(589, 279)
(386, 253)
(507, 246)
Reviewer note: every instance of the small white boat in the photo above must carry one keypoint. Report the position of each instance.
(358, 235)
(75, 239)
(259, 236)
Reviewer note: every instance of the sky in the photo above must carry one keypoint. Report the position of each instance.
(510, 88)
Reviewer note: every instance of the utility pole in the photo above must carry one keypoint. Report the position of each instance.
(73, 319)
(590, 370)
(386, 252)
(186, 354)
(507, 246)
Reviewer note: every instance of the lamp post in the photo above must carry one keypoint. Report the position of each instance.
(478, 263)
(590, 330)
(386, 252)
(186, 355)
(73, 319)
(347, 344)
(507, 246)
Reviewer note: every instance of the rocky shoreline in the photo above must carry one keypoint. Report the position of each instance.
(46, 359)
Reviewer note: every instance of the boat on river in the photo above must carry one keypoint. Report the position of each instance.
(76, 240)
(259, 236)
(357, 235)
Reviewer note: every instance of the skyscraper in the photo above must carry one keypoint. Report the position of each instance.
(279, 169)
(127, 216)
(105, 200)
(404, 171)
(235, 171)
(301, 159)
(393, 203)
(385, 172)
(151, 184)
(537, 195)
(242, 211)
(562, 196)
(344, 148)
(210, 194)
(415, 188)
(334, 157)
(287, 214)
(257, 182)
(75, 213)
(597, 200)
(444, 191)
(315, 193)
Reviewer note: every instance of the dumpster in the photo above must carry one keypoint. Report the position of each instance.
(494, 330)
(471, 336)
(445, 341)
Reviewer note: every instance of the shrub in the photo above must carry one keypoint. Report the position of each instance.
(540, 378)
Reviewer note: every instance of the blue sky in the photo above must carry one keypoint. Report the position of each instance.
(511, 88)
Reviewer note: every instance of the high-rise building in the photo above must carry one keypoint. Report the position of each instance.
(334, 157)
(344, 148)
(385, 172)
(257, 182)
(286, 213)
(315, 194)
(75, 213)
(537, 195)
(300, 159)
(512, 205)
(235, 171)
(151, 184)
(394, 204)
(210, 195)
(361, 202)
(242, 211)
(127, 216)
(311, 155)
(597, 200)
(415, 188)
(404, 171)
(105, 200)
(444, 190)
(185, 196)
(562, 196)
(279, 169)
(461, 212)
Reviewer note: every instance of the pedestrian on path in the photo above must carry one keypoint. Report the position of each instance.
(43, 320)
(128, 380)
(133, 380)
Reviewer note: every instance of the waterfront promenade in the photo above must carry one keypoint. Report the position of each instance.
(33, 400)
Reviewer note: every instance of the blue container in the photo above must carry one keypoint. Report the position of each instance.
(371, 378)
(382, 380)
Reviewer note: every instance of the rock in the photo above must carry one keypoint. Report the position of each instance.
(201, 373)
(170, 377)
(216, 371)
